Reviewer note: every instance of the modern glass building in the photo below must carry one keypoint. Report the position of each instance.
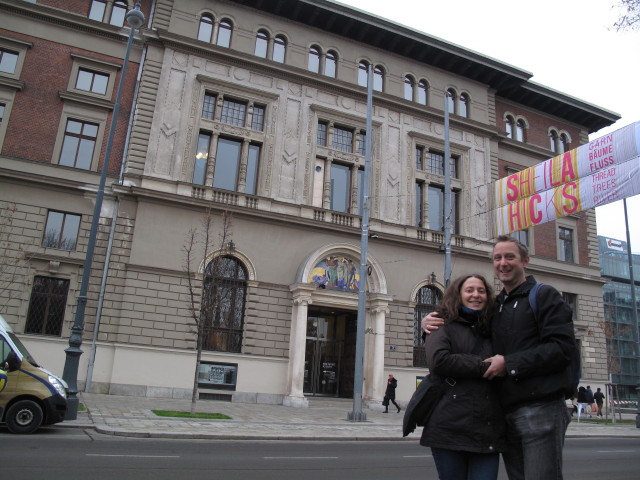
(620, 325)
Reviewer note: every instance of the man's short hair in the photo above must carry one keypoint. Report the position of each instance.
(522, 248)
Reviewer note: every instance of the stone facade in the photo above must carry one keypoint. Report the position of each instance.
(180, 92)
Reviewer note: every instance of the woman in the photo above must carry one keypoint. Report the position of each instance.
(466, 431)
(390, 394)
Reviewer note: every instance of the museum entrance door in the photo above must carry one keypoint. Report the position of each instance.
(330, 352)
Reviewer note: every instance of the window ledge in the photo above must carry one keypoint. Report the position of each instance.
(87, 99)
(13, 83)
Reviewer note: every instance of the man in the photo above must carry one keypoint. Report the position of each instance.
(532, 359)
(599, 398)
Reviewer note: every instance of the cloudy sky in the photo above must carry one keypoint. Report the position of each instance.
(568, 45)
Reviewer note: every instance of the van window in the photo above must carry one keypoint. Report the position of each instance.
(22, 349)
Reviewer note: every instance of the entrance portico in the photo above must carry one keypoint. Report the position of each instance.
(307, 291)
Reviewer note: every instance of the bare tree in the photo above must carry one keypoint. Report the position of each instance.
(204, 299)
(629, 15)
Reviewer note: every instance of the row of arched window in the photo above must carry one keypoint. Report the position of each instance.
(516, 128)
(326, 63)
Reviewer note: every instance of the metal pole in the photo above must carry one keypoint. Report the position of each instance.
(135, 19)
(634, 309)
(357, 415)
(447, 194)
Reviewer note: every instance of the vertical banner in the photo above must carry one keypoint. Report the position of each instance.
(602, 171)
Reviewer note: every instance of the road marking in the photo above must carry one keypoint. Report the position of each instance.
(131, 456)
(616, 451)
(300, 458)
(416, 456)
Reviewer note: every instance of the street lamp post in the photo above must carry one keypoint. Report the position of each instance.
(135, 19)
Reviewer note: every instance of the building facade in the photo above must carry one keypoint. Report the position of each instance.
(251, 116)
(620, 323)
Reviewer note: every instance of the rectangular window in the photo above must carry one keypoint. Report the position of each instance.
(225, 175)
(61, 231)
(419, 203)
(362, 142)
(97, 10)
(2, 107)
(343, 139)
(340, 187)
(8, 60)
(91, 81)
(202, 157)
(208, 106)
(321, 135)
(233, 113)
(436, 209)
(419, 158)
(565, 237)
(522, 236)
(571, 299)
(436, 164)
(46, 306)
(252, 170)
(257, 119)
(360, 187)
(118, 12)
(79, 143)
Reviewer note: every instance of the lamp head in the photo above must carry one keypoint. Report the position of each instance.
(135, 18)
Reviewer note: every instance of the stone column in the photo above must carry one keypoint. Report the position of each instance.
(374, 356)
(297, 346)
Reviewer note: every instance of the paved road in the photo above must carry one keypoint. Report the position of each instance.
(63, 454)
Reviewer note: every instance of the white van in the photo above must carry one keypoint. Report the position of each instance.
(32, 396)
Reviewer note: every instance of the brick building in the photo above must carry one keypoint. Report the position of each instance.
(257, 110)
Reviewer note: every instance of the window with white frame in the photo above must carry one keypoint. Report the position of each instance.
(565, 244)
(92, 78)
(12, 55)
(61, 230)
(97, 10)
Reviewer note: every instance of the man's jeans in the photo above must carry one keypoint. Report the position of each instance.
(456, 465)
(535, 437)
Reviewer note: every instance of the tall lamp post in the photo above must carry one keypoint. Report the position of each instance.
(135, 19)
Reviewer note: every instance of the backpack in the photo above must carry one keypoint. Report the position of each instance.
(573, 371)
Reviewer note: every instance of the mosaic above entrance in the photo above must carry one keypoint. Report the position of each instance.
(336, 272)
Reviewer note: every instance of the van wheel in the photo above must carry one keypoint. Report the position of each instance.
(24, 416)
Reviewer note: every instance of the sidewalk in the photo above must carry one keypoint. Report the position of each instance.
(325, 419)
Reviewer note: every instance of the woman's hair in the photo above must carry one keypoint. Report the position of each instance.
(452, 300)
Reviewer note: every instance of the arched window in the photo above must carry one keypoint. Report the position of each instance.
(422, 92)
(451, 100)
(553, 141)
(279, 48)
(378, 78)
(520, 126)
(262, 44)
(314, 59)
(330, 64)
(118, 12)
(463, 105)
(564, 143)
(426, 300)
(223, 303)
(363, 69)
(224, 34)
(409, 85)
(509, 125)
(206, 28)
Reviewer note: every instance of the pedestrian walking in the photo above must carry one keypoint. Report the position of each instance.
(390, 394)
(599, 398)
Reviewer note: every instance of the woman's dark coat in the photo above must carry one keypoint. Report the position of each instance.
(390, 392)
(468, 417)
